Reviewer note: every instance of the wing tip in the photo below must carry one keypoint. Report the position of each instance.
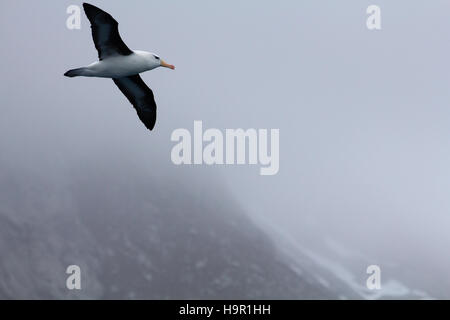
(148, 119)
(88, 6)
(91, 9)
(149, 122)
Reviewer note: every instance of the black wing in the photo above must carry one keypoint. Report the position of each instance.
(105, 32)
(140, 96)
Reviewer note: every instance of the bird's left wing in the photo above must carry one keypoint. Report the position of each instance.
(140, 96)
(105, 32)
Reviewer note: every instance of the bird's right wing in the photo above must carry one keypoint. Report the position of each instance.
(140, 96)
(105, 32)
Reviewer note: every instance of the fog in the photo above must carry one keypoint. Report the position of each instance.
(362, 114)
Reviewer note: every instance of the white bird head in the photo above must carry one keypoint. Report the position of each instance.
(160, 62)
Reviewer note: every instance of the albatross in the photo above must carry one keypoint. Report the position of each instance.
(123, 65)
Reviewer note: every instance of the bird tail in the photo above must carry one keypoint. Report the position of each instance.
(75, 72)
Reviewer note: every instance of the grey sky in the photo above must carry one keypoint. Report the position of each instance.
(363, 115)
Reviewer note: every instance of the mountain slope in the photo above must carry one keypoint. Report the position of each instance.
(135, 236)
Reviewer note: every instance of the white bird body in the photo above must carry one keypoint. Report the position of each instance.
(122, 66)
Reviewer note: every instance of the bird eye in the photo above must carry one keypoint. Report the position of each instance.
(157, 58)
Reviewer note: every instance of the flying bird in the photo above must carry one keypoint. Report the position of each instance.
(123, 65)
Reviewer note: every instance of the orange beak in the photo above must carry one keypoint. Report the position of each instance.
(166, 65)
